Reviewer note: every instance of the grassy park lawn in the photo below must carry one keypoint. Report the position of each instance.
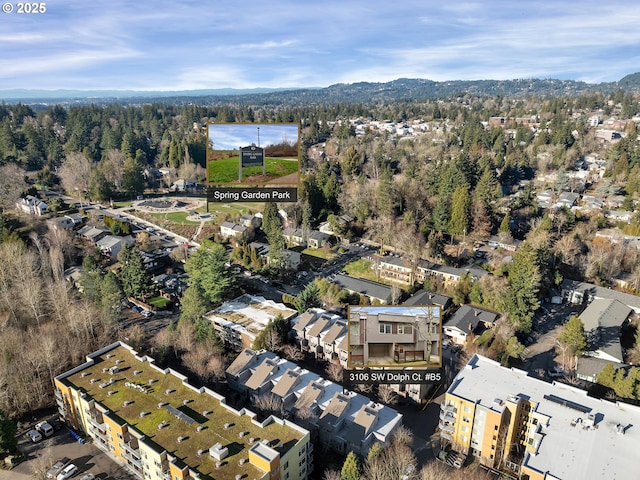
(226, 170)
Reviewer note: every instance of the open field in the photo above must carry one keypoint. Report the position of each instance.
(225, 171)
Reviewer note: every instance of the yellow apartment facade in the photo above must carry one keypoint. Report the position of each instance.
(162, 428)
(536, 430)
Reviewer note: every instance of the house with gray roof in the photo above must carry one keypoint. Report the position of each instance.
(581, 293)
(424, 297)
(468, 320)
(373, 290)
(603, 320)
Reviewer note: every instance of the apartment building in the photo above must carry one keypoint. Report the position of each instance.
(537, 430)
(342, 420)
(388, 336)
(239, 321)
(162, 428)
(398, 269)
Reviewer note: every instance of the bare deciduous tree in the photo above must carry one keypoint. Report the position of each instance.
(387, 395)
(75, 174)
(293, 353)
(334, 372)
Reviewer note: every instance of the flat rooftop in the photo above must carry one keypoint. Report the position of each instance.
(567, 450)
(169, 388)
(250, 311)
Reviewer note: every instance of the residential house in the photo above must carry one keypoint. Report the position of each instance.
(582, 293)
(317, 239)
(535, 430)
(93, 234)
(251, 221)
(588, 368)
(603, 320)
(506, 243)
(76, 218)
(376, 292)
(183, 185)
(111, 245)
(424, 297)
(468, 320)
(567, 199)
(387, 336)
(295, 237)
(291, 259)
(188, 432)
(32, 205)
(233, 230)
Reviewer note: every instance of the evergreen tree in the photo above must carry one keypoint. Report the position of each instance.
(524, 282)
(8, 430)
(308, 298)
(132, 178)
(207, 270)
(460, 212)
(136, 281)
(573, 336)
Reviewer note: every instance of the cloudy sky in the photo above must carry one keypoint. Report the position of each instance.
(183, 45)
(232, 135)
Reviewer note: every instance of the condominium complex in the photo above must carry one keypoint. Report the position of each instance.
(162, 428)
(538, 430)
(395, 335)
(344, 420)
(239, 321)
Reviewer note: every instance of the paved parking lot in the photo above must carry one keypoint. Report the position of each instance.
(88, 458)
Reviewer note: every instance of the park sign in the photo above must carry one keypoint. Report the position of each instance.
(252, 156)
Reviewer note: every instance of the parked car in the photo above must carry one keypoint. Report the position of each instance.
(147, 313)
(88, 476)
(556, 372)
(68, 472)
(44, 428)
(57, 467)
(136, 309)
(34, 435)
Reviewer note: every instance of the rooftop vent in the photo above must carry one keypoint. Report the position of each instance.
(162, 424)
(181, 439)
(199, 428)
(218, 451)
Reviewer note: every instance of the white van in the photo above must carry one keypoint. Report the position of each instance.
(45, 428)
(68, 472)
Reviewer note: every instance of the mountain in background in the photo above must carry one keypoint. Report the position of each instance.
(403, 89)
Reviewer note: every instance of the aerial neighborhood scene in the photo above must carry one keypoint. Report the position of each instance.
(339, 241)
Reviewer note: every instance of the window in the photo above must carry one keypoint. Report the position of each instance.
(286, 465)
(385, 328)
(405, 329)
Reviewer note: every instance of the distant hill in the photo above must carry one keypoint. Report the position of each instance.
(403, 89)
(630, 82)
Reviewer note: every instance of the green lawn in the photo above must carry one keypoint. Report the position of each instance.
(318, 253)
(158, 302)
(226, 170)
(358, 268)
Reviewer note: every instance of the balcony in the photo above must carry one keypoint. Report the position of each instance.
(446, 428)
(447, 416)
(95, 423)
(132, 450)
(134, 460)
(101, 435)
(448, 408)
(446, 436)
